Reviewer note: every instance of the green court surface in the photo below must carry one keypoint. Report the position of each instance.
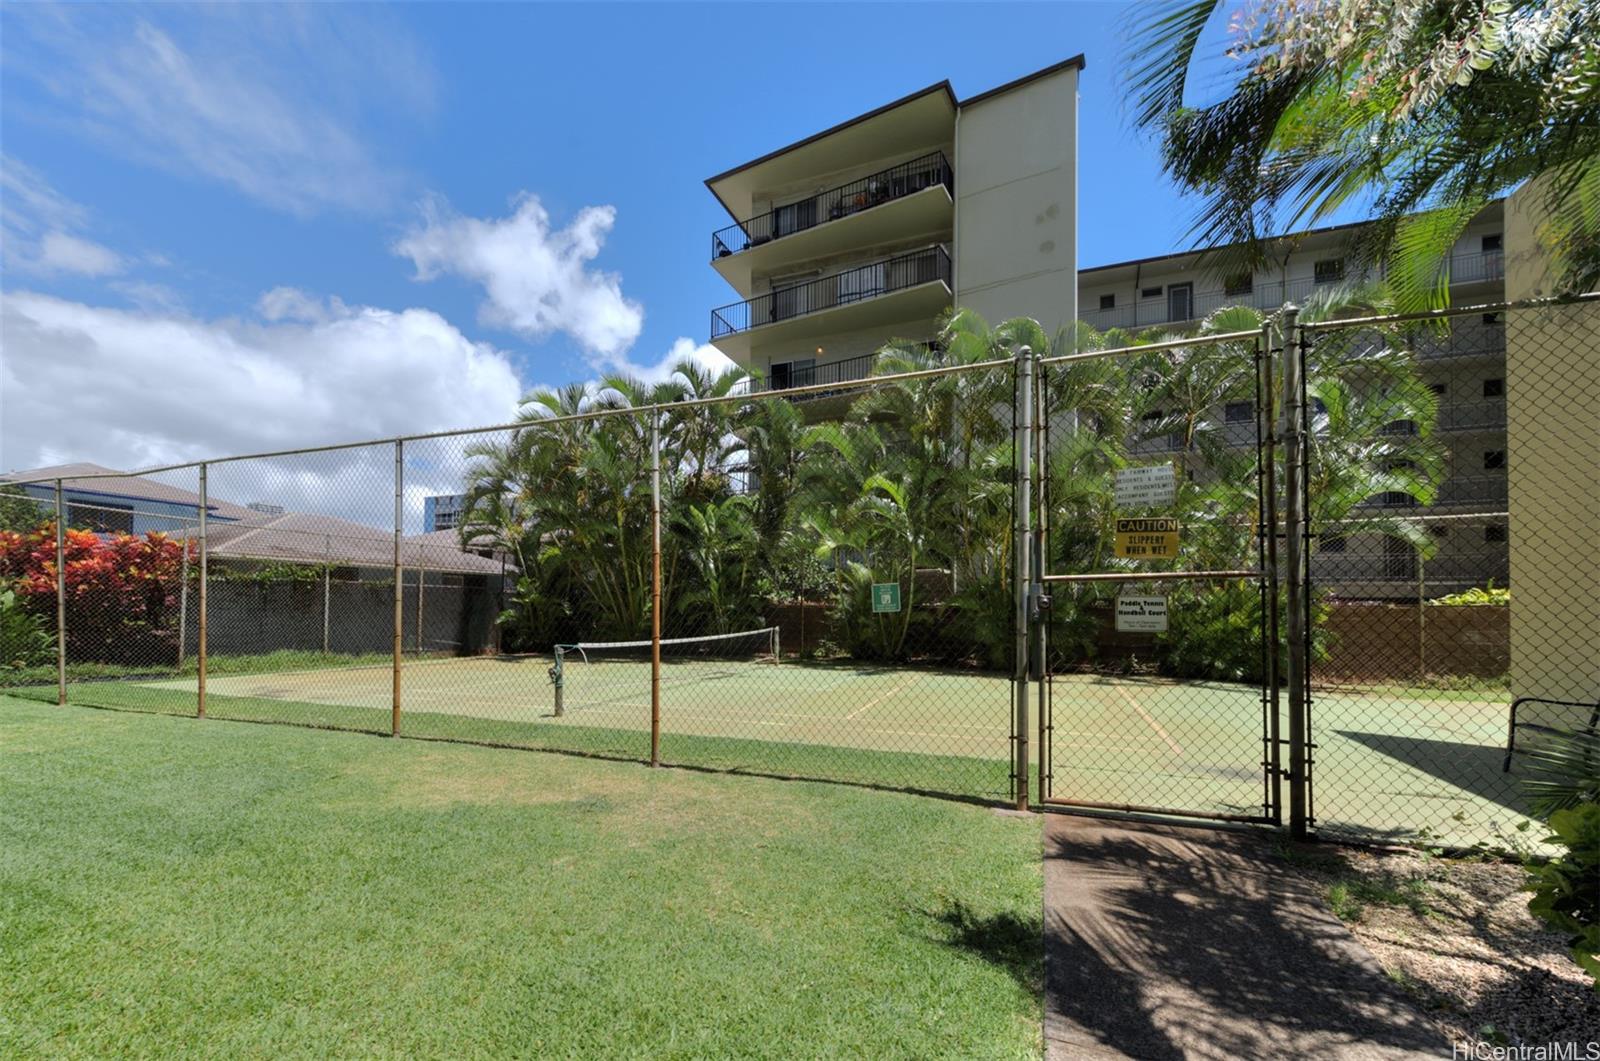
(1389, 763)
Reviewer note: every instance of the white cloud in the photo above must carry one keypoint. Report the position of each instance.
(703, 354)
(129, 389)
(63, 253)
(537, 279)
(37, 226)
(269, 99)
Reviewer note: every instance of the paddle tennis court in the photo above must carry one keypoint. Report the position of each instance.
(1111, 739)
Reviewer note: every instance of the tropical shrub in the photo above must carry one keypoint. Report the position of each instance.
(121, 591)
(26, 639)
(1477, 595)
(1566, 889)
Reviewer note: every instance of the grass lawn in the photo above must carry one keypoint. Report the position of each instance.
(176, 886)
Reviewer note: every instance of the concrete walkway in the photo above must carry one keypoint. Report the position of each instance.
(1166, 941)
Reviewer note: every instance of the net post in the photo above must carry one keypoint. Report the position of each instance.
(655, 587)
(1022, 552)
(558, 679)
(61, 600)
(1294, 563)
(200, 630)
(777, 646)
(399, 621)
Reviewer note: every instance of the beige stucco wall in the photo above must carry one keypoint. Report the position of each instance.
(1553, 455)
(1016, 252)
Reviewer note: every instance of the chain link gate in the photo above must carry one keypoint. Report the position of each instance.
(1153, 609)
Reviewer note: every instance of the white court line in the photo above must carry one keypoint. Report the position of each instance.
(874, 703)
(1176, 750)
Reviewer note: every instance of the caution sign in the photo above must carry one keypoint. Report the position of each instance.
(1141, 615)
(1154, 538)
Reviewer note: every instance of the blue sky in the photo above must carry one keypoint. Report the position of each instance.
(267, 211)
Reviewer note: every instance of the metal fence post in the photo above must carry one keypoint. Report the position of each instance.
(655, 587)
(1023, 556)
(200, 630)
(183, 599)
(1294, 562)
(327, 588)
(399, 621)
(1267, 462)
(1037, 603)
(61, 600)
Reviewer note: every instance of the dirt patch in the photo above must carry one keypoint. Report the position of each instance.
(1457, 936)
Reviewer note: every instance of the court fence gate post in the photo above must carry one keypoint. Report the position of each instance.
(655, 586)
(1267, 470)
(61, 600)
(1022, 557)
(1294, 563)
(200, 627)
(399, 598)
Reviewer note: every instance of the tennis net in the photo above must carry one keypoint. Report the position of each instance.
(722, 655)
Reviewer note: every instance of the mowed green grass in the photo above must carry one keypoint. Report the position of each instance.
(172, 886)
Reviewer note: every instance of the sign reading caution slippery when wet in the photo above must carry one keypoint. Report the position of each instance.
(1153, 538)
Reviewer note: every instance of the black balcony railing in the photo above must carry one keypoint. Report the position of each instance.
(1475, 267)
(840, 289)
(896, 182)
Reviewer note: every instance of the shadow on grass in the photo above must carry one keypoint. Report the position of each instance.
(1005, 940)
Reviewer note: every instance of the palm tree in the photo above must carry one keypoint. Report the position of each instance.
(1434, 109)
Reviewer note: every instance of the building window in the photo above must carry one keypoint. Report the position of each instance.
(1108, 301)
(1331, 543)
(102, 518)
(1492, 242)
(1330, 270)
(1399, 559)
(1494, 532)
(1238, 412)
(1150, 292)
(1400, 427)
(1318, 406)
(1494, 459)
(785, 374)
(1494, 388)
(1238, 284)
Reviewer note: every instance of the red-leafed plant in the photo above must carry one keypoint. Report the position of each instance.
(121, 590)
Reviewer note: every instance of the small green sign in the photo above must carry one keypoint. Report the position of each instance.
(886, 596)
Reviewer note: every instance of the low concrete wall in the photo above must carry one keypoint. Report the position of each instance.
(1369, 641)
(250, 618)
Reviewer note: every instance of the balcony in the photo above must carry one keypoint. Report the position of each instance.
(1473, 416)
(906, 287)
(860, 196)
(1477, 267)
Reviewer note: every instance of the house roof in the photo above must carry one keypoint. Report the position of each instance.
(110, 483)
(302, 537)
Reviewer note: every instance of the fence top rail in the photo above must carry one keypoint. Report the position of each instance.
(1150, 348)
(865, 383)
(1452, 311)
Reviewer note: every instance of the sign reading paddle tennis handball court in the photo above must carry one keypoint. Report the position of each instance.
(886, 596)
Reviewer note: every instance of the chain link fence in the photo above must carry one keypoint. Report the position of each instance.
(1451, 501)
(1335, 574)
